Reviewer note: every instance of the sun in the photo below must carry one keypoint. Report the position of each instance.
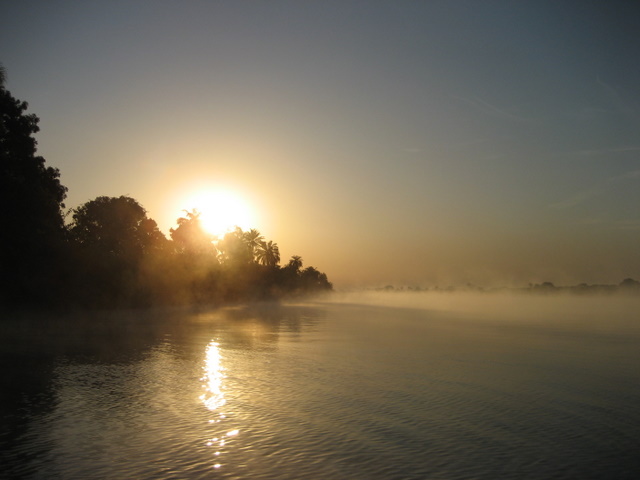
(222, 210)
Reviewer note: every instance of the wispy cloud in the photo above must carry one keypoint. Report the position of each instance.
(617, 101)
(579, 198)
(490, 109)
(594, 152)
(624, 224)
(590, 221)
(586, 113)
(628, 224)
(596, 190)
(632, 174)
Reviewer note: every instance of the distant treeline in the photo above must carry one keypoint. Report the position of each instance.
(110, 254)
(627, 286)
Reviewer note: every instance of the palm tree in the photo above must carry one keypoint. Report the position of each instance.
(234, 249)
(268, 253)
(253, 240)
(295, 263)
(189, 236)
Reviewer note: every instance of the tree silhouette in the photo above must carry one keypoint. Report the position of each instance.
(234, 250)
(268, 253)
(294, 264)
(253, 240)
(112, 238)
(314, 280)
(629, 285)
(116, 226)
(112, 254)
(32, 202)
(190, 237)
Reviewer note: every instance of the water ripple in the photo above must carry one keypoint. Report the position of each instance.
(336, 402)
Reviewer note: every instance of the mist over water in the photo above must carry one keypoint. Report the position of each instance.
(586, 311)
(369, 385)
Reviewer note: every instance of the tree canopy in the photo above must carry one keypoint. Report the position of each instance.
(190, 237)
(111, 254)
(116, 226)
(32, 199)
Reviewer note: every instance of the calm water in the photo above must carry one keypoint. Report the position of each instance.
(460, 388)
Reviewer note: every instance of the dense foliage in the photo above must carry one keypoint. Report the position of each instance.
(32, 233)
(111, 254)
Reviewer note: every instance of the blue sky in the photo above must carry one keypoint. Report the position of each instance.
(384, 142)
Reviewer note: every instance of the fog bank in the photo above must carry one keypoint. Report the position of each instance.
(603, 311)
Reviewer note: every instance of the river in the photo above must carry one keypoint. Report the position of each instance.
(419, 386)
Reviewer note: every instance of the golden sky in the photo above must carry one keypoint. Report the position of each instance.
(412, 143)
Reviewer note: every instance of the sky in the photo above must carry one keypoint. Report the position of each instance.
(412, 143)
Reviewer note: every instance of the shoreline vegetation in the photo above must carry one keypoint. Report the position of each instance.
(628, 286)
(107, 253)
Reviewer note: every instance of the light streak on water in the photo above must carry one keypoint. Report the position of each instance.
(213, 398)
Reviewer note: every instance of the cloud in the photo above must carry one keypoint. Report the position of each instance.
(578, 198)
(492, 110)
(632, 174)
(596, 190)
(618, 102)
(602, 151)
(624, 224)
(628, 224)
(591, 221)
(587, 113)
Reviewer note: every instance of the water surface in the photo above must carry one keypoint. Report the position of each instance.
(468, 388)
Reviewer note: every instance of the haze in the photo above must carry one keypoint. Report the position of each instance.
(386, 142)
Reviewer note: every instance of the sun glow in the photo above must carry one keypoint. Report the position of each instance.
(222, 210)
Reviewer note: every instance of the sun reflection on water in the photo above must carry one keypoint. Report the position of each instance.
(213, 398)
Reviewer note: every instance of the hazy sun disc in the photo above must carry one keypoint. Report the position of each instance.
(222, 210)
